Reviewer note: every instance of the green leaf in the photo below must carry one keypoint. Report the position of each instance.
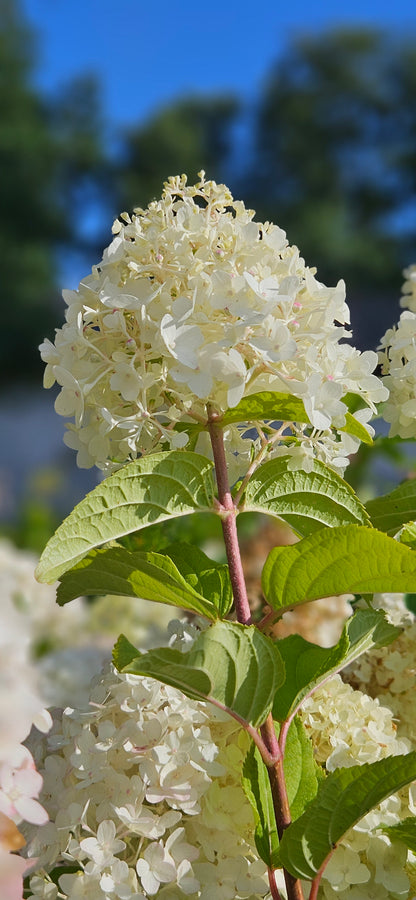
(124, 652)
(350, 559)
(256, 785)
(115, 570)
(275, 407)
(356, 429)
(407, 535)
(301, 776)
(404, 831)
(204, 575)
(343, 798)
(166, 665)
(267, 406)
(308, 665)
(302, 773)
(232, 665)
(307, 501)
(395, 509)
(146, 491)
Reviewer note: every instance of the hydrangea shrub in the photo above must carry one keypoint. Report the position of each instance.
(207, 370)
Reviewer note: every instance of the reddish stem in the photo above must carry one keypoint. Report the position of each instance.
(273, 886)
(280, 799)
(228, 514)
(317, 880)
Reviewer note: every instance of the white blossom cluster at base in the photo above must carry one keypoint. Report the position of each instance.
(144, 795)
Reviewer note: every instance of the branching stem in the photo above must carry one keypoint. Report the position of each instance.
(228, 512)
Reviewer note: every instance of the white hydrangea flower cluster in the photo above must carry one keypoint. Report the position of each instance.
(144, 795)
(348, 727)
(390, 672)
(21, 706)
(409, 289)
(70, 644)
(195, 303)
(398, 361)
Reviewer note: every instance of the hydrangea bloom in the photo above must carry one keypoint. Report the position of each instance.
(192, 303)
(21, 706)
(144, 795)
(398, 360)
(408, 299)
(349, 727)
(390, 672)
(143, 790)
(68, 644)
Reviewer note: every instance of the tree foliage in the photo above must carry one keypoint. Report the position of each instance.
(327, 152)
(46, 151)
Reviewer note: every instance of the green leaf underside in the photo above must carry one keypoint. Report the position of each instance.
(395, 509)
(307, 501)
(146, 491)
(115, 570)
(204, 575)
(343, 798)
(233, 665)
(267, 406)
(348, 559)
(404, 831)
(301, 775)
(308, 665)
(271, 406)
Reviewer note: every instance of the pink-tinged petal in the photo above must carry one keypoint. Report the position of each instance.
(12, 869)
(31, 811)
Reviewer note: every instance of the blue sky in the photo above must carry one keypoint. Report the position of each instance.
(146, 54)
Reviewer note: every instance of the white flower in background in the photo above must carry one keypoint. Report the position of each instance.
(398, 361)
(194, 302)
(349, 727)
(21, 706)
(408, 299)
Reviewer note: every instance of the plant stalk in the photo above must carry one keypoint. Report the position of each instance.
(228, 513)
(280, 799)
(228, 522)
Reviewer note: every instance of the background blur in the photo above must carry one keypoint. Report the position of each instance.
(306, 111)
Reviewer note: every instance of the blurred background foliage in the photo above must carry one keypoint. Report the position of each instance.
(327, 150)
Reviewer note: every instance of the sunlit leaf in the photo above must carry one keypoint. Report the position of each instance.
(307, 501)
(349, 559)
(115, 570)
(395, 509)
(146, 491)
(308, 665)
(233, 665)
(343, 798)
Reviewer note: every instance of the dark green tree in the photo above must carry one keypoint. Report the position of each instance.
(335, 160)
(48, 151)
